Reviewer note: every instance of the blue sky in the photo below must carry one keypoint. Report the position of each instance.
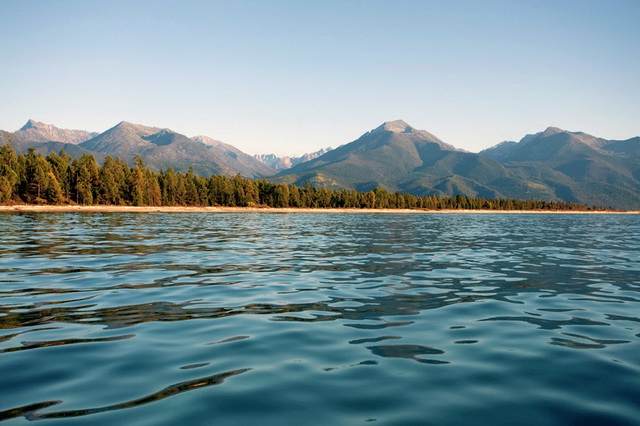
(295, 76)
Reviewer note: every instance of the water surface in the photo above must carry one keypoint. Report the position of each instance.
(199, 318)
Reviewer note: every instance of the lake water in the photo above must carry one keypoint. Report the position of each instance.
(327, 319)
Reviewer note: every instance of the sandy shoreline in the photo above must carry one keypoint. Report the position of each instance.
(174, 209)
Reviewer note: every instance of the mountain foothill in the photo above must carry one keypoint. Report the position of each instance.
(552, 165)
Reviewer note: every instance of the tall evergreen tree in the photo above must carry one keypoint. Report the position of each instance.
(61, 168)
(85, 176)
(112, 183)
(138, 187)
(36, 169)
(9, 178)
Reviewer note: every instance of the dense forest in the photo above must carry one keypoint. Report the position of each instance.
(60, 179)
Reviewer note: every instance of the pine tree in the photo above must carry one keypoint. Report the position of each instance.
(154, 197)
(85, 176)
(282, 195)
(61, 168)
(52, 190)
(8, 175)
(36, 177)
(138, 187)
(294, 196)
(169, 187)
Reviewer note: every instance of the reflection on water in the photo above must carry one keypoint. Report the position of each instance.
(32, 414)
(407, 351)
(332, 318)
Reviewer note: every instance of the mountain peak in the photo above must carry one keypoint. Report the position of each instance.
(35, 131)
(32, 124)
(397, 126)
(137, 128)
(551, 131)
(130, 124)
(126, 124)
(206, 140)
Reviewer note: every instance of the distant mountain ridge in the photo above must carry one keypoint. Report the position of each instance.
(46, 138)
(286, 162)
(35, 131)
(510, 150)
(577, 166)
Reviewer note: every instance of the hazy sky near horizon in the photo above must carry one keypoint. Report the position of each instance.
(295, 76)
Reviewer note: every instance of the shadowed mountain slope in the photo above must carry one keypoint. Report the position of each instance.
(577, 166)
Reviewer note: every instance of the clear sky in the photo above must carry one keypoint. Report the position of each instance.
(294, 76)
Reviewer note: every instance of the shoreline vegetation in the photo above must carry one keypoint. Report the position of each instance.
(60, 183)
(220, 209)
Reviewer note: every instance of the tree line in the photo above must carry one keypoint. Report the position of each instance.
(60, 179)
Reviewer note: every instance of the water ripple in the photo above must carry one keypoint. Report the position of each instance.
(172, 390)
(342, 319)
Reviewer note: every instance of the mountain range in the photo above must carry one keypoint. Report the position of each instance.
(576, 166)
(400, 158)
(286, 162)
(160, 148)
(555, 164)
(34, 131)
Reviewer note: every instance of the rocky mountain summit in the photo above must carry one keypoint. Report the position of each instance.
(35, 131)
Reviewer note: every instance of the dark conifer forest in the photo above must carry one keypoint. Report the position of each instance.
(60, 179)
